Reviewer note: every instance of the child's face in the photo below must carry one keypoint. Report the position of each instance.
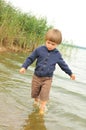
(50, 45)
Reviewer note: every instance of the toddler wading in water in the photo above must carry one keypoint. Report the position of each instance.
(47, 57)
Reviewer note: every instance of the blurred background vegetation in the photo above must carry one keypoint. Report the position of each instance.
(21, 31)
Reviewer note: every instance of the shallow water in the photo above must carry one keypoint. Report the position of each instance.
(67, 104)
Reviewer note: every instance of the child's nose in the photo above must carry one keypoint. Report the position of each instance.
(50, 45)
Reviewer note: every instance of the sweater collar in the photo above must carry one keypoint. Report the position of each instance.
(54, 50)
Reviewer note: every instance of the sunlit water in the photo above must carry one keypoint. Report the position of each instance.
(67, 104)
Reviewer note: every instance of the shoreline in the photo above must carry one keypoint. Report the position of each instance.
(15, 49)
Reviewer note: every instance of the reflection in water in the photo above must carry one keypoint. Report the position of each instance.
(35, 122)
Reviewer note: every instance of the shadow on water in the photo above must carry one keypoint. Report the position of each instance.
(35, 122)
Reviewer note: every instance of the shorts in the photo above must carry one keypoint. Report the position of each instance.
(41, 87)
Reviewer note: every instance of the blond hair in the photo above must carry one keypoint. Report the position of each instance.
(54, 35)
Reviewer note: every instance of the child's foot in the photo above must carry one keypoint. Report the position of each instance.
(41, 112)
(36, 106)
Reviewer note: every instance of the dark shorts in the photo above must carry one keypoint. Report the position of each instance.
(41, 87)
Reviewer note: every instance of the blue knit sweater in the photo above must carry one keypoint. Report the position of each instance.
(46, 62)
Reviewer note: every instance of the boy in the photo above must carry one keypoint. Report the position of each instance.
(47, 57)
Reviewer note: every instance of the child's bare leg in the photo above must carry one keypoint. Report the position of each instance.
(36, 101)
(42, 107)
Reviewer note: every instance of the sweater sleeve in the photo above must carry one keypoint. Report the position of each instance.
(64, 66)
(30, 59)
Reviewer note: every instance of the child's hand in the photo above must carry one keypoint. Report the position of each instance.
(72, 77)
(22, 70)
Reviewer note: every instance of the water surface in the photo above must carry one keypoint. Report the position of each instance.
(67, 104)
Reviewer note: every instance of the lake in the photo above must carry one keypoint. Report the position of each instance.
(67, 104)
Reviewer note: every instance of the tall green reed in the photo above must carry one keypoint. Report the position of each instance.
(20, 30)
